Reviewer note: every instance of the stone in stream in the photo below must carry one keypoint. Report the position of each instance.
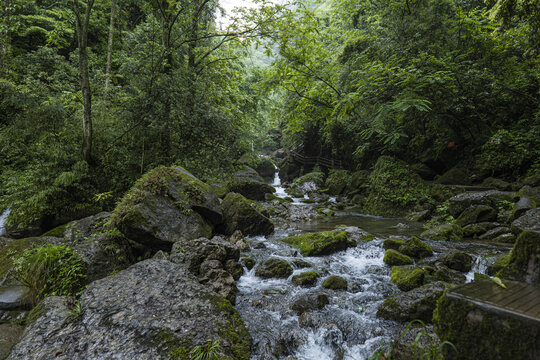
(393, 257)
(458, 260)
(407, 277)
(248, 262)
(248, 183)
(274, 268)
(500, 263)
(460, 202)
(393, 244)
(474, 230)
(444, 232)
(317, 244)
(165, 204)
(14, 297)
(524, 261)
(415, 248)
(300, 263)
(242, 214)
(529, 221)
(522, 206)
(335, 282)
(309, 302)
(415, 304)
(153, 310)
(475, 214)
(493, 233)
(308, 278)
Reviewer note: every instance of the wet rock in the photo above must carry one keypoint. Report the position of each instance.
(474, 230)
(248, 262)
(263, 165)
(308, 278)
(529, 221)
(393, 244)
(242, 214)
(407, 277)
(9, 336)
(237, 238)
(422, 215)
(274, 268)
(505, 238)
(454, 176)
(524, 262)
(153, 310)
(306, 184)
(14, 297)
(444, 232)
(460, 202)
(476, 214)
(337, 181)
(458, 260)
(161, 255)
(310, 302)
(443, 273)
(258, 245)
(531, 193)
(415, 304)
(335, 282)
(393, 257)
(497, 184)
(415, 248)
(415, 343)
(300, 263)
(522, 206)
(317, 244)
(500, 263)
(493, 233)
(249, 186)
(166, 204)
(234, 268)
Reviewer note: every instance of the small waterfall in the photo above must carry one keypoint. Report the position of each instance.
(3, 219)
(480, 266)
(280, 190)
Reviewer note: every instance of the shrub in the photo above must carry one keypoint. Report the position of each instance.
(51, 270)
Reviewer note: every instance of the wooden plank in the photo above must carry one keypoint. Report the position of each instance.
(528, 293)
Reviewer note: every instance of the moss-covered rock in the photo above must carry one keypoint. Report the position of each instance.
(415, 304)
(262, 164)
(458, 260)
(335, 282)
(444, 232)
(501, 261)
(478, 333)
(529, 221)
(497, 184)
(288, 169)
(477, 214)
(300, 263)
(524, 262)
(310, 302)
(323, 243)
(358, 182)
(407, 277)
(325, 212)
(443, 273)
(391, 243)
(242, 214)
(250, 188)
(458, 203)
(307, 183)
(454, 176)
(394, 188)
(274, 268)
(249, 262)
(415, 248)
(308, 278)
(474, 230)
(393, 257)
(337, 181)
(16, 248)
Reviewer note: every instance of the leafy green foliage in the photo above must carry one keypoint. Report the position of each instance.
(209, 351)
(51, 270)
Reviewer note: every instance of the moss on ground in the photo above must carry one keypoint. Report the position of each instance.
(316, 244)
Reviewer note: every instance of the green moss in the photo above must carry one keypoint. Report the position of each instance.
(444, 232)
(306, 278)
(337, 181)
(335, 283)
(441, 193)
(57, 231)
(393, 257)
(169, 344)
(274, 268)
(316, 177)
(391, 243)
(406, 277)
(367, 237)
(394, 188)
(235, 333)
(524, 262)
(481, 213)
(249, 262)
(34, 314)
(14, 250)
(415, 248)
(316, 244)
(358, 182)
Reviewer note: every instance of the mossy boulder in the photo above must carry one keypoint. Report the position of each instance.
(500, 263)
(394, 188)
(480, 333)
(288, 169)
(391, 243)
(335, 282)
(307, 183)
(524, 262)
(274, 268)
(309, 302)
(407, 277)
(248, 183)
(165, 204)
(458, 260)
(454, 176)
(249, 262)
(308, 278)
(474, 230)
(358, 182)
(242, 214)
(458, 203)
(416, 304)
(264, 165)
(393, 257)
(337, 181)
(477, 214)
(322, 243)
(498, 184)
(443, 273)
(529, 221)
(444, 232)
(415, 248)
(14, 249)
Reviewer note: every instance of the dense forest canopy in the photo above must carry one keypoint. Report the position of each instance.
(433, 82)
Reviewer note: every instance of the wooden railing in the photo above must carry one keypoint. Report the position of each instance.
(313, 160)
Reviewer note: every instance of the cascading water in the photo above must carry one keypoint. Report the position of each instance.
(3, 219)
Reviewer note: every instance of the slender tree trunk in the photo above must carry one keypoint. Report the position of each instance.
(110, 46)
(82, 36)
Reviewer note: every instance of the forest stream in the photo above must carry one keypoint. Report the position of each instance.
(348, 327)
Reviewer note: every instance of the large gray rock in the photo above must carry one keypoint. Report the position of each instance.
(418, 303)
(9, 335)
(250, 185)
(460, 202)
(242, 214)
(529, 221)
(167, 204)
(153, 310)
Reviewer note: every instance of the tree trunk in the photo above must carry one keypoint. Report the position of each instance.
(82, 32)
(110, 46)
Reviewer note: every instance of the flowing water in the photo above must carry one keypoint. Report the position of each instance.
(347, 328)
(3, 219)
